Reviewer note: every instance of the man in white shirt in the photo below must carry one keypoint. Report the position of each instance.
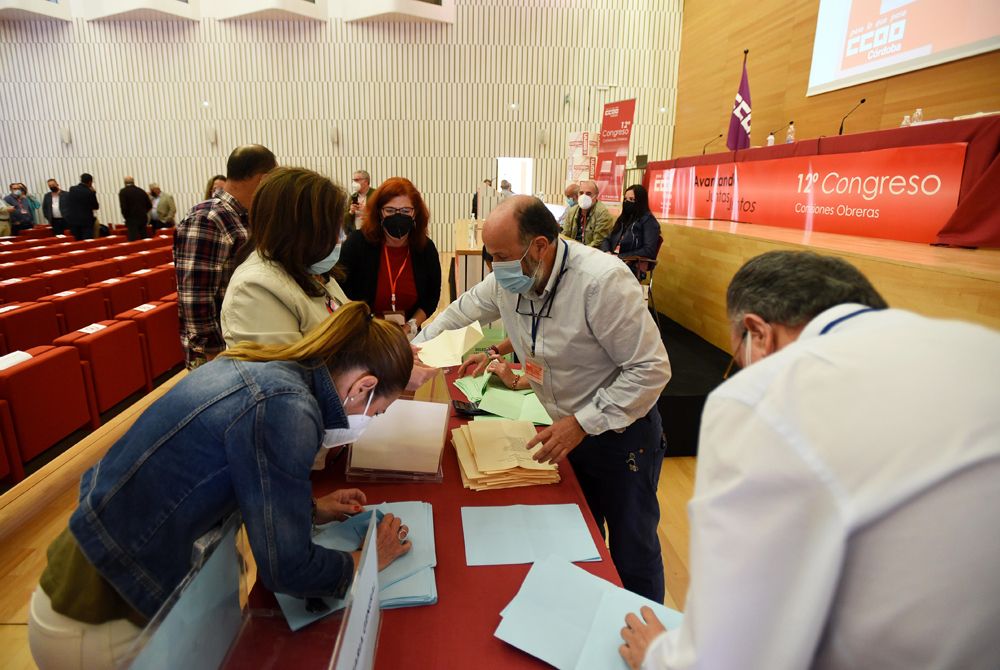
(846, 511)
(578, 322)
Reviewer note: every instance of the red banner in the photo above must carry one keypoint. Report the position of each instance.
(616, 131)
(905, 193)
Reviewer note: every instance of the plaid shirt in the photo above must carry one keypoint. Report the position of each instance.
(205, 244)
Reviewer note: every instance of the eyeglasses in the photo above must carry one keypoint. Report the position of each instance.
(732, 361)
(392, 211)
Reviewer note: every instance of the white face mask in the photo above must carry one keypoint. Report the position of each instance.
(746, 352)
(355, 187)
(586, 202)
(357, 424)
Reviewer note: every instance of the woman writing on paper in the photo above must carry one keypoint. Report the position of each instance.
(237, 434)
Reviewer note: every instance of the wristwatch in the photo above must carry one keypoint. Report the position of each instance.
(493, 349)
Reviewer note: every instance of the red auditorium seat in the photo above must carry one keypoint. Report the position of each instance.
(86, 255)
(6, 457)
(14, 256)
(160, 328)
(121, 293)
(24, 289)
(130, 247)
(127, 264)
(66, 247)
(76, 308)
(117, 363)
(64, 279)
(158, 281)
(170, 297)
(18, 269)
(54, 262)
(27, 324)
(33, 418)
(36, 233)
(99, 270)
(157, 256)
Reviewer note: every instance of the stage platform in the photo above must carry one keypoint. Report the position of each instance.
(699, 257)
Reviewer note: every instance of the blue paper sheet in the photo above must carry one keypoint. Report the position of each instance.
(525, 534)
(407, 581)
(560, 607)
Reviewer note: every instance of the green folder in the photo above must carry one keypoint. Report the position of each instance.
(515, 405)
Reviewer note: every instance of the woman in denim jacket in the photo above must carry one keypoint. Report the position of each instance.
(239, 433)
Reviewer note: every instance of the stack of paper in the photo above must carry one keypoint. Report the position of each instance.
(492, 455)
(408, 437)
(406, 582)
(525, 534)
(446, 350)
(571, 619)
(520, 405)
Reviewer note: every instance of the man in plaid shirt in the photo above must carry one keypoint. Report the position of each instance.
(205, 246)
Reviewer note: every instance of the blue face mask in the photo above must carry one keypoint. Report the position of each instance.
(510, 277)
(325, 265)
(570, 202)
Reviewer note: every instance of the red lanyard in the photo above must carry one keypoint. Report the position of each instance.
(392, 280)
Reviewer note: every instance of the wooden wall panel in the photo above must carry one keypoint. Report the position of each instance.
(426, 101)
(780, 35)
(697, 262)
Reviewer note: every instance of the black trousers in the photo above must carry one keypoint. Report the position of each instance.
(618, 473)
(136, 229)
(58, 226)
(82, 231)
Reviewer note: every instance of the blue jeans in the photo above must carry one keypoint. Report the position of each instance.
(618, 473)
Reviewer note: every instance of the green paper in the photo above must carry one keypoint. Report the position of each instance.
(514, 405)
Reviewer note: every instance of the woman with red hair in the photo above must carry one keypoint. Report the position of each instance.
(389, 262)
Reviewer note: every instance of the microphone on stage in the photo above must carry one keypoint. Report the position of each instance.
(714, 139)
(841, 131)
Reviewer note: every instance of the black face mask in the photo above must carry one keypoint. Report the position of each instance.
(628, 208)
(398, 225)
(54, 189)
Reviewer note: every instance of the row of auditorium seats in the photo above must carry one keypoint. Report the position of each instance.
(78, 339)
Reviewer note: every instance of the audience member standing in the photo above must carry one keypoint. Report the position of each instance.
(205, 246)
(505, 190)
(164, 212)
(215, 186)
(360, 191)
(475, 198)
(390, 263)
(589, 221)
(20, 210)
(52, 208)
(78, 206)
(135, 206)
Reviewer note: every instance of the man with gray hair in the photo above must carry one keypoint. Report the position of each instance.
(847, 486)
(164, 212)
(135, 206)
(361, 183)
(592, 354)
(588, 221)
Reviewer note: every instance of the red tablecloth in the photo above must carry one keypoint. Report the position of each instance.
(458, 630)
(976, 220)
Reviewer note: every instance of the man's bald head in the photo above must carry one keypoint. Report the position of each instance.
(589, 187)
(522, 217)
(130, 181)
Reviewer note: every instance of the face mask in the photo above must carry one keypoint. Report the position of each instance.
(18, 192)
(397, 225)
(54, 189)
(628, 208)
(357, 424)
(355, 187)
(586, 202)
(570, 202)
(511, 278)
(325, 265)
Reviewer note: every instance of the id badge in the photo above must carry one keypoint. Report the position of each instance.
(534, 370)
(398, 318)
(618, 249)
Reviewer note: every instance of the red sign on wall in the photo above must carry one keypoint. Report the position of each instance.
(612, 152)
(905, 193)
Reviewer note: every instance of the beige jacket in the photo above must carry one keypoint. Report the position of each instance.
(166, 209)
(264, 304)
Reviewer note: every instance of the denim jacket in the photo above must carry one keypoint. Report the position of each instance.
(231, 435)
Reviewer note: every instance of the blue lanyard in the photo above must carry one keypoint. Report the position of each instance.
(828, 327)
(537, 318)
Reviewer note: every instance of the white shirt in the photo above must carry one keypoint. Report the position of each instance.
(603, 358)
(56, 213)
(847, 504)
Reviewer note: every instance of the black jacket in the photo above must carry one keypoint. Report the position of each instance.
(359, 264)
(47, 205)
(639, 238)
(77, 205)
(134, 202)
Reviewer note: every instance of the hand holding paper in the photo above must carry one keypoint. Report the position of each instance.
(446, 350)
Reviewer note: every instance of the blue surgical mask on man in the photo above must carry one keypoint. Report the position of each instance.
(570, 202)
(325, 265)
(510, 276)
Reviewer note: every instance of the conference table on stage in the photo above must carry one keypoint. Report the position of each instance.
(457, 631)
(976, 219)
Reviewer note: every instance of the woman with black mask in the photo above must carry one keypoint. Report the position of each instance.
(636, 232)
(390, 263)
